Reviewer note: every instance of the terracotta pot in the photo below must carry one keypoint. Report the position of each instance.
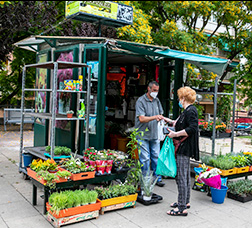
(69, 115)
(228, 130)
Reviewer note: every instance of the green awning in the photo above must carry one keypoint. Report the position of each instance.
(216, 65)
(155, 52)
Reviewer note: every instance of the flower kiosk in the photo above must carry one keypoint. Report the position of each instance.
(98, 80)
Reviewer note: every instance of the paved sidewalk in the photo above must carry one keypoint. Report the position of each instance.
(16, 210)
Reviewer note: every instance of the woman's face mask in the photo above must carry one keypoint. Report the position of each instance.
(154, 94)
(180, 104)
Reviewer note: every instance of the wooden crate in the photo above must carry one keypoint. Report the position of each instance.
(118, 203)
(33, 174)
(58, 222)
(82, 176)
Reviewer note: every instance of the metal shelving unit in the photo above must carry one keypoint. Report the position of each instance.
(215, 93)
(52, 116)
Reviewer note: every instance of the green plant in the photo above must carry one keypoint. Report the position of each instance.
(58, 202)
(134, 164)
(224, 163)
(67, 199)
(50, 178)
(91, 153)
(63, 174)
(240, 187)
(200, 110)
(48, 148)
(59, 150)
(224, 108)
(240, 160)
(70, 112)
(75, 165)
(92, 196)
(148, 181)
(205, 159)
(115, 191)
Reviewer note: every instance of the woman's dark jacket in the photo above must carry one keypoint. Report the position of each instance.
(188, 120)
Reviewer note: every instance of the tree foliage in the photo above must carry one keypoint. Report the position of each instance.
(21, 19)
(180, 25)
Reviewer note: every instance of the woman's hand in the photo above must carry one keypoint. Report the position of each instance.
(172, 134)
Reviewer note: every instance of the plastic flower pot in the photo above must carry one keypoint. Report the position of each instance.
(218, 195)
(146, 198)
(109, 166)
(27, 158)
(86, 159)
(92, 163)
(100, 166)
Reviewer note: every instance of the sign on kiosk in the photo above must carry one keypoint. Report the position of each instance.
(108, 13)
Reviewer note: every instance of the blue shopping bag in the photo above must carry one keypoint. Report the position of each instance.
(166, 165)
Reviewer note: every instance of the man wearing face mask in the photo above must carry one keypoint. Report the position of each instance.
(148, 112)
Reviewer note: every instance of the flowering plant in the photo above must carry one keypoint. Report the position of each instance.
(107, 154)
(38, 164)
(208, 126)
(91, 153)
(210, 177)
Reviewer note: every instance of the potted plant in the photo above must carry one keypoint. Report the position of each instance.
(39, 164)
(59, 150)
(77, 168)
(109, 157)
(134, 164)
(50, 179)
(70, 113)
(240, 190)
(147, 182)
(90, 155)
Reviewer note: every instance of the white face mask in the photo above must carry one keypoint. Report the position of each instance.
(154, 94)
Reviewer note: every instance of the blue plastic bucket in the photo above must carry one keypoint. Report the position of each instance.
(27, 158)
(218, 195)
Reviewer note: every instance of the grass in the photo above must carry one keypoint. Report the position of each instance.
(245, 136)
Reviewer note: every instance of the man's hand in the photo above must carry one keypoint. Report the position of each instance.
(159, 117)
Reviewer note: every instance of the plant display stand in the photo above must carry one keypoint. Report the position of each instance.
(154, 199)
(118, 203)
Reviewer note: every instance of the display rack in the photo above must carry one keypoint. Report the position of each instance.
(52, 116)
(215, 93)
